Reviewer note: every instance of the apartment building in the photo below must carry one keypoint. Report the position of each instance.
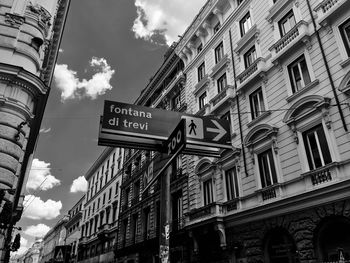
(279, 71)
(139, 219)
(73, 227)
(30, 33)
(55, 237)
(100, 212)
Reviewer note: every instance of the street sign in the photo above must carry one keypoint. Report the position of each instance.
(139, 127)
(60, 254)
(177, 140)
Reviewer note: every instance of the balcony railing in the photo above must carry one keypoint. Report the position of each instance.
(256, 69)
(213, 209)
(328, 8)
(226, 93)
(298, 33)
(268, 193)
(323, 174)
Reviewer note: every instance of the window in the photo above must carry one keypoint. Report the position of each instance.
(98, 203)
(202, 100)
(219, 52)
(222, 83)
(201, 72)
(127, 193)
(231, 184)
(239, 2)
(267, 168)
(249, 57)
(217, 27)
(286, 23)
(104, 199)
(146, 222)
(208, 191)
(316, 147)
(199, 48)
(93, 207)
(134, 228)
(176, 101)
(116, 188)
(298, 74)
(110, 194)
(245, 24)
(345, 34)
(257, 106)
(136, 190)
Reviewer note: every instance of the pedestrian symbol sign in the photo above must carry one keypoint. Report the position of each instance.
(59, 255)
(194, 127)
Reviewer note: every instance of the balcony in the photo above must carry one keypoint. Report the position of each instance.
(180, 107)
(322, 175)
(256, 70)
(204, 82)
(327, 10)
(300, 33)
(205, 212)
(204, 110)
(269, 192)
(221, 98)
(223, 63)
(179, 79)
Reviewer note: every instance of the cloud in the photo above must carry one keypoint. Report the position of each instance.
(40, 176)
(74, 88)
(60, 50)
(44, 130)
(38, 230)
(37, 209)
(79, 185)
(167, 18)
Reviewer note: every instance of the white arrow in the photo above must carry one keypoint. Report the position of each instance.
(219, 129)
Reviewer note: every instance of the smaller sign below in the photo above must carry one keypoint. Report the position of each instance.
(176, 140)
(60, 253)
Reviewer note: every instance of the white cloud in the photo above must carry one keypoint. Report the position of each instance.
(38, 230)
(45, 130)
(164, 17)
(79, 185)
(40, 176)
(72, 87)
(60, 50)
(36, 209)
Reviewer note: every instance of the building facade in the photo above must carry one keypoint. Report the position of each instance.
(55, 237)
(279, 71)
(30, 33)
(73, 227)
(31, 255)
(139, 219)
(100, 215)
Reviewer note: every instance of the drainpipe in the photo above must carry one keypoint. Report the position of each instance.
(238, 108)
(327, 68)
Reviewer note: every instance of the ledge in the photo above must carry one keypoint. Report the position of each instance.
(259, 118)
(303, 90)
(221, 64)
(247, 39)
(201, 84)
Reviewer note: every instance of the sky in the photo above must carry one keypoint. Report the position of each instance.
(109, 51)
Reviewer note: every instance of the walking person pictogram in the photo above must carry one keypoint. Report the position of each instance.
(193, 127)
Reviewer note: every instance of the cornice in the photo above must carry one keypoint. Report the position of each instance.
(100, 160)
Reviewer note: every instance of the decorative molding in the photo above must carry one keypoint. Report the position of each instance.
(14, 20)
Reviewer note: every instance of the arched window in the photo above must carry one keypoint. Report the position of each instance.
(261, 142)
(280, 247)
(332, 239)
(310, 122)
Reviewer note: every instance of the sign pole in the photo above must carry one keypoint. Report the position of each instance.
(164, 234)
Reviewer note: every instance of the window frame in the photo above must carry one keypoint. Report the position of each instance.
(270, 176)
(232, 185)
(286, 20)
(242, 23)
(217, 27)
(344, 37)
(202, 100)
(208, 193)
(221, 82)
(254, 114)
(219, 52)
(248, 54)
(296, 64)
(201, 71)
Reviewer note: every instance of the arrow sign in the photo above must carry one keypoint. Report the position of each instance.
(219, 130)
